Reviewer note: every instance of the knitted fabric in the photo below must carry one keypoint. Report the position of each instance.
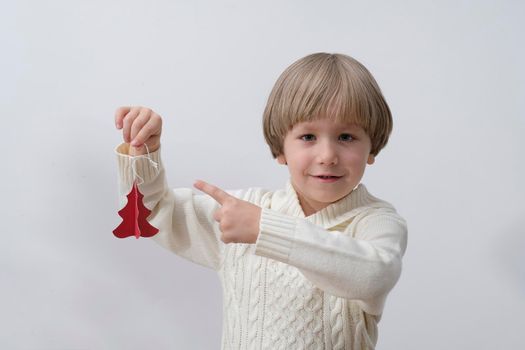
(316, 282)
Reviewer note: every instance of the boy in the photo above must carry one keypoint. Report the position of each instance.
(306, 267)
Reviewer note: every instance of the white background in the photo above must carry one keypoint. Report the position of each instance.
(451, 71)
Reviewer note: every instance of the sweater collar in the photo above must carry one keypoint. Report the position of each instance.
(335, 213)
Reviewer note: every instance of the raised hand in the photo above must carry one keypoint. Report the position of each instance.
(238, 220)
(140, 125)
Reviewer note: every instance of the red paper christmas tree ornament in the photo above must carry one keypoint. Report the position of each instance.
(134, 216)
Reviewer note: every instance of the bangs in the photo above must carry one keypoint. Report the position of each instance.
(326, 86)
(328, 92)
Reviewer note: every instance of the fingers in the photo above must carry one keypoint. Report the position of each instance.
(138, 124)
(215, 192)
(140, 120)
(145, 126)
(119, 115)
(128, 120)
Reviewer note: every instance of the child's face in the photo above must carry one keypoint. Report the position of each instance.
(323, 147)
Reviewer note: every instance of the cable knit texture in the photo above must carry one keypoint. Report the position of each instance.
(316, 282)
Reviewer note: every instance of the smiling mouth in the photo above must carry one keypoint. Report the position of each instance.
(327, 177)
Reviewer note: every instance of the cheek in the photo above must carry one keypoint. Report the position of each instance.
(354, 158)
(300, 162)
(299, 156)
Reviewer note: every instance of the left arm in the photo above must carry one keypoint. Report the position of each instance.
(364, 268)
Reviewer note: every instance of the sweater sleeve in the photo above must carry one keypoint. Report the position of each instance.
(184, 219)
(364, 268)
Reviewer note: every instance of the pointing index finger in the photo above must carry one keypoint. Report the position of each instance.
(215, 192)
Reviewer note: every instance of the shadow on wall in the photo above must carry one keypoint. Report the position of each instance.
(508, 249)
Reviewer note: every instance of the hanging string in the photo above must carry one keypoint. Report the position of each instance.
(151, 161)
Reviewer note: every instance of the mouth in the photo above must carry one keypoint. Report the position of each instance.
(327, 178)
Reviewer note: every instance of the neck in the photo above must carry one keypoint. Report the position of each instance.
(309, 208)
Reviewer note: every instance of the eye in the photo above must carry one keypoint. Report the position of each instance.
(308, 137)
(346, 137)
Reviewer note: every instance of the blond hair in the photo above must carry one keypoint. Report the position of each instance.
(324, 85)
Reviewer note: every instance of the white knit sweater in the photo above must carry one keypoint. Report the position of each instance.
(316, 282)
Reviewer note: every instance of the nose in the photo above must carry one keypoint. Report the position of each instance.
(327, 153)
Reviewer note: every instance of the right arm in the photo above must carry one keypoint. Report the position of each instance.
(184, 219)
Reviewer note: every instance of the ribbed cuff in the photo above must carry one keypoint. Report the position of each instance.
(276, 235)
(143, 166)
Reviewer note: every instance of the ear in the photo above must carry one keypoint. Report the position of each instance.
(371, 159)
(281, 159)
